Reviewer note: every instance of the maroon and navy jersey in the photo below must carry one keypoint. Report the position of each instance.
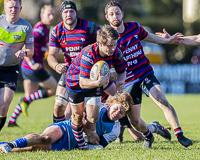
(84, 62)
(138, 65)
(41, 40)
(72, 41)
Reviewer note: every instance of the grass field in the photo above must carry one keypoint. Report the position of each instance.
(40, 116)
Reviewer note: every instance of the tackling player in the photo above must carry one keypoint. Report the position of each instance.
(59, 136)
(15, 33)
(83, 91)
(71, 35)
(32, 68)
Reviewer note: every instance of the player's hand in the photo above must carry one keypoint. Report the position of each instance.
(120, 87)
(20, 54)
(113, 74)
(61, 68)
(104, 80)
(36, 66)
(93, 138)
(165, 34)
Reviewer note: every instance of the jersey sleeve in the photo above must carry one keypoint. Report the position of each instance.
(119, 63)
(29, 41)
(53, 42)
(107, 138)
(86, 64)
(92, 29)
(142, 32)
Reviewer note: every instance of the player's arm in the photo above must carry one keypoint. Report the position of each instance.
(159, 40)
(53, 62)
(190, 40)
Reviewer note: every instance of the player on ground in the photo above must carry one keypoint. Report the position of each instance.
(71, 35)
(140, 75)
(32, 68)
(83, 91)
(59, 136)
(15, 33)
(154, 127)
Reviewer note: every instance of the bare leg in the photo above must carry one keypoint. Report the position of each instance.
(157, 95)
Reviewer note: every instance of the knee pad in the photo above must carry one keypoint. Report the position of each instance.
(95, 101)
(60, 98)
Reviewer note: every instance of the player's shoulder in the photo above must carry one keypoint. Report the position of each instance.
(2, 16)
(22, 21)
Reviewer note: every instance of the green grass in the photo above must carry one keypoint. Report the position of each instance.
(41, 112)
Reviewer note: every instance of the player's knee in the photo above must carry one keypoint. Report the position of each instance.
(92, 119)
(77, 118)
(135, 122)
(46, 139)
(60, 100)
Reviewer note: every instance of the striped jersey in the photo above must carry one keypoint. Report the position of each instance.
(138, 65)
(41, 41)
(84, 62)
(72, 41)
(13, 36)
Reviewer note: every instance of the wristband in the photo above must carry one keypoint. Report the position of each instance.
(56, 66)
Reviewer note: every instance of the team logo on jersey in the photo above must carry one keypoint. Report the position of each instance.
(83, 39)
(31, 39)
(63, 42)
(147, 80)
(136, 36)
(104, 132)
(98, 91)
(17, 37)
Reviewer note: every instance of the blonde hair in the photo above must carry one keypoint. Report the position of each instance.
(123, 98)
(45, 7)
(5, 1)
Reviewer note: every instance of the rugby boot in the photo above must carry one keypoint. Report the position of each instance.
(148, 142)
(160, 130)
(91, 147)
(184, 141)
(24, 106)
(8, 124)
(5, 148)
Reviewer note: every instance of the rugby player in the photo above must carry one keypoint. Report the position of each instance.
(71, 35)
(32, 68)
(15, 33)
(83, 91)
(59, 136)
(140, 74)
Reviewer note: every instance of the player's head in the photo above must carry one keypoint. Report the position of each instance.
(114, 13)
(107, 40)
(12, 9)
(119, 105)
(68, 12)
(47, 14)
(5, 1)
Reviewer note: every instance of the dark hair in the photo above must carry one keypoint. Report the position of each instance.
(67, 4)
(111, 4)
(106, 32)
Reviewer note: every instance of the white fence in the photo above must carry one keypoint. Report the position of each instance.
(178, 79)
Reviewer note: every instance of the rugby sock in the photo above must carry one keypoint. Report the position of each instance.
(148, 134)
(152, 127)
(17, 111)
(2, 122)
(19, 143)
(78, 134)
(37, 95)
(58, 119)
(178, 131)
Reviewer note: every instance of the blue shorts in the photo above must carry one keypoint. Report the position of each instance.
(36, 76)
(135, 90)
(64, 141)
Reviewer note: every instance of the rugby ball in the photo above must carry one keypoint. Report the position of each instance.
(99, 67)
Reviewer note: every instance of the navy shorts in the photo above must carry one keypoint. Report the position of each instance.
(135, 90)
(78, 97)
(9, 77)
(124, 122)
(36, 76)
